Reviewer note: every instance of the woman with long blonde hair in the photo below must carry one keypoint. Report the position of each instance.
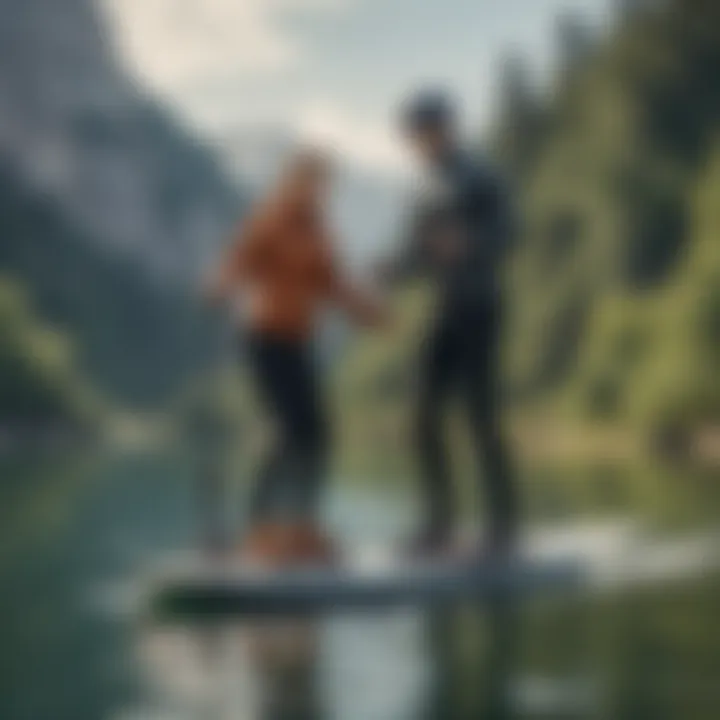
(283, 262)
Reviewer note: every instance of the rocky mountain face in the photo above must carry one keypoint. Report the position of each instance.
(74, 128)
(109, 211)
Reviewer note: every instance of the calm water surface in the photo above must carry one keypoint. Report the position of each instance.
(76, 532)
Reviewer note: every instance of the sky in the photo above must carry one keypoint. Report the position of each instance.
(330, 71)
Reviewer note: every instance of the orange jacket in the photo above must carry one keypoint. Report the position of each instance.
(284, 259)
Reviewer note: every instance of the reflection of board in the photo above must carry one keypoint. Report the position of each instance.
(199, 589)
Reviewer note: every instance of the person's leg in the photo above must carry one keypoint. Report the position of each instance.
(436, 372)
(268, 483)
(481, 371)
(285, 528)
(309, 433)
(272, 366)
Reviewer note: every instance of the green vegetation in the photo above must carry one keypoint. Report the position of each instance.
(135, 337)
(616, 281)
(614, 289)
(38, 379)
(614, 315)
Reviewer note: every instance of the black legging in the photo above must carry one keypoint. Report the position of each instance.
(290, 478)
(461, 354)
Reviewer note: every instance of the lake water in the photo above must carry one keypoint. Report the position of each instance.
(77, 532)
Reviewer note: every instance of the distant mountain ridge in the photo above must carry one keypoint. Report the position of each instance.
(109, 212)
(74, 127)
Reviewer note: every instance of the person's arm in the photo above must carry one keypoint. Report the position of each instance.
(242, 260)
(361, 306)
(506, 217)
(411, 260)
(488, 216)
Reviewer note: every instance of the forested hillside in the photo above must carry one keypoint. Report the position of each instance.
(614, 289)
(614, 309)
(39, 384)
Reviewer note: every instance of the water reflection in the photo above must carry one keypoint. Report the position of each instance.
(488, 691)
(440, 665)
(649, 651)
(277, 669)
(230, 671)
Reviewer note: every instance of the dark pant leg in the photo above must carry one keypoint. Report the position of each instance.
(436, 373)
(481, 391)
(290, 478)
(267, 367)
(308, 437)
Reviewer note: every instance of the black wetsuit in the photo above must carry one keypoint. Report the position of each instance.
(290, 478)
(465, 197)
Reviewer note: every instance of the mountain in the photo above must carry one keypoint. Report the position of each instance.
(76, 129)
(135, 338)
(109, 209)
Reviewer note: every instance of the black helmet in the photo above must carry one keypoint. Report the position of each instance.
(428, 110)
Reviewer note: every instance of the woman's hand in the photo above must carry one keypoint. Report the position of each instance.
(449, 245)
(364, 308)
(377, 315)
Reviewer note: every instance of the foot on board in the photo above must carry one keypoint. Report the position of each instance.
(431, 543)
(492, 549)
(288, 544)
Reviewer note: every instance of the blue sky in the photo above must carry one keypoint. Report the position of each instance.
(329, 70)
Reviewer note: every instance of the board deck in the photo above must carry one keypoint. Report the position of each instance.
(199, 588)
(601, 558)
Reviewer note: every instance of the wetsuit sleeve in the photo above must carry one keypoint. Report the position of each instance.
(411, 260)
(486, 206)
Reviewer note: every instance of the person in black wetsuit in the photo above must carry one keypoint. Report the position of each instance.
(460, 233)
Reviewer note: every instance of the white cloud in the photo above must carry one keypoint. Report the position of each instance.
(363, 141)
(174, 45)
(170, 43)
